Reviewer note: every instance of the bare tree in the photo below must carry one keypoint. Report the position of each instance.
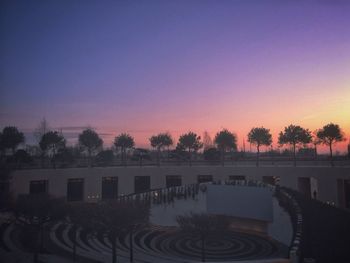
(34, 210)
(207, 141)
(42, 128)
(113, 218)
(202, 225)
(52, 142)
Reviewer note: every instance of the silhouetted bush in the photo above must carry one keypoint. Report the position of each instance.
(211, 154)
(105, 157)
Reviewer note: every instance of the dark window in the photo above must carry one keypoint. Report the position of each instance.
(109, 187)
(347, 193)
(75, 189)
(204, 178)
(304, 186)
(341, 192)
(173, 180)
(142, 184)
(236, 177)
(38, 187)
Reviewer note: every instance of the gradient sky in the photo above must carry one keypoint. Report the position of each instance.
(149, 66)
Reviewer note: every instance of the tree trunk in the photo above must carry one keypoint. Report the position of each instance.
(203, 249)
(41, 237)
(168, 153)
(141, 157)
(54, 157)
(75, 243)
(90, 160)
(315, 152)
(114, 249)
(331, 152)
(294, 155)
(222, 157)
(257, 155)
(124, 154)
(190, 156)
(158, 156)
(131, 246)
(37, 247)
(42, 159)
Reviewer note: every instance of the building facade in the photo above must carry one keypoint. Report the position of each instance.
(327, 184)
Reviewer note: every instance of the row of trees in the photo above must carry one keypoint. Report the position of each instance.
(51, 142)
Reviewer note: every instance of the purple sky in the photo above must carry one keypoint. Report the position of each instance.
(149, 66)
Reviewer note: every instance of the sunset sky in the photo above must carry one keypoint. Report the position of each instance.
(145, 67)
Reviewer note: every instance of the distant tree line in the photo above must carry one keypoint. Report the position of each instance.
(52, 146)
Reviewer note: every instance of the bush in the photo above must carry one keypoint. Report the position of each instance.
(105, 157)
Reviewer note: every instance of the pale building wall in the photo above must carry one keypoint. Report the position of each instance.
(326, 177)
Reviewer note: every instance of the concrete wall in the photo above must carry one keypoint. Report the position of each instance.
(326, 177)
(241, 201)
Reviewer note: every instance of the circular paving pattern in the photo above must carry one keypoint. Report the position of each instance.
(227, 246)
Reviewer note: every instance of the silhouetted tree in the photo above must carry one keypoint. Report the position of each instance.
(91, 142)
(79, 214)
(124, 141)
(20, 157)
(259, 136)
(6, 197)
(52, 141)
(202, 225)
(315, 141)
(160, 141)
(191, 142)
(42, 128)
(225, 140)
(66, 155)
(2, 149)
(11, 138)
(34, 210)
(329, 135)
(294, 135)
(167, 142)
